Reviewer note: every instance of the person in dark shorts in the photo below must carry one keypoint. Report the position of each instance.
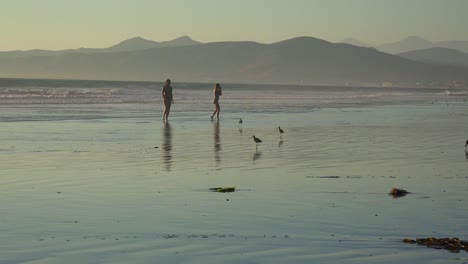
(167, 98)
(217, 92)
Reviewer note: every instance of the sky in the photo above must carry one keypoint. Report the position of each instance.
(64, 24)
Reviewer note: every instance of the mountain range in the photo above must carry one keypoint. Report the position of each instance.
(439, 56)
(136, 43)
(412, 43)
(355, 42)
(302, 60)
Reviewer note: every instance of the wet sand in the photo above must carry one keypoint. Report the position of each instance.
(133, 189)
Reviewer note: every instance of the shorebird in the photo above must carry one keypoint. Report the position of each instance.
(281, 131)
(257, 140)
(466, 152)
(240, 122)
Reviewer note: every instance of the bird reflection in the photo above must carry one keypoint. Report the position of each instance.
(257, 155)
(217, 142)
(280, 143)
(167, 146)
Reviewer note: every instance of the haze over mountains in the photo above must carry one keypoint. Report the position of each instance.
(454, 52)
(302, 60)
(438, 55)
(412, 43)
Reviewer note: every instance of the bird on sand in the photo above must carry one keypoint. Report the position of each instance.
(257, 140)
(281, 131)
(240, 122)
(466, 152)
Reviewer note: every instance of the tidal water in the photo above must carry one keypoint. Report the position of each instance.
(90, 173)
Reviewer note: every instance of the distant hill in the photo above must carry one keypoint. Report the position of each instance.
(439, 56)
(417, 43)
(355, 42)
(461, 45)
(181, 41)
(40, 52)
(132, 44)
(139, 43)
(136, 43)
(303, 60)
(404, 45)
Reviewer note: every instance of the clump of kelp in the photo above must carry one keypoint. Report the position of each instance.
(397, 193)
(454, 245)
(223, 189)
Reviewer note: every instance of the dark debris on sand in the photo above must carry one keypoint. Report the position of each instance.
(223, 189)
(396, 193)
(454, 245)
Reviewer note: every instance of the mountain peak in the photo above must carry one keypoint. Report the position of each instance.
(139, 43)
(416, 39)
(136, 38)
(301, 40)
(180, 41)
(135, 43)
(406, 44)
(183, 38)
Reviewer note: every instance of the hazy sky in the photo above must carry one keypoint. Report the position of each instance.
(62, 24)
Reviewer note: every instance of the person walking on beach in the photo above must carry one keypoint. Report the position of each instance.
(217, 92)
(168, 99)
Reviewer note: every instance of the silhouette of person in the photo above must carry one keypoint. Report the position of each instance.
(167, 98)
(217, 92)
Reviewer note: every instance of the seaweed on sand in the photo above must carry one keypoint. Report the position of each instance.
(223, 189)
(396, 193)
(454, 245)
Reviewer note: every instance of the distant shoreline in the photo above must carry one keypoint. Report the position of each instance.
(5, 81)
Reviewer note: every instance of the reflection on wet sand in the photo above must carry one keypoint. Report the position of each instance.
(257, 155)
(167, 146)
(217, 142)
(280, 143)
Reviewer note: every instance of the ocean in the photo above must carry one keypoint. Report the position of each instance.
(91, 174)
